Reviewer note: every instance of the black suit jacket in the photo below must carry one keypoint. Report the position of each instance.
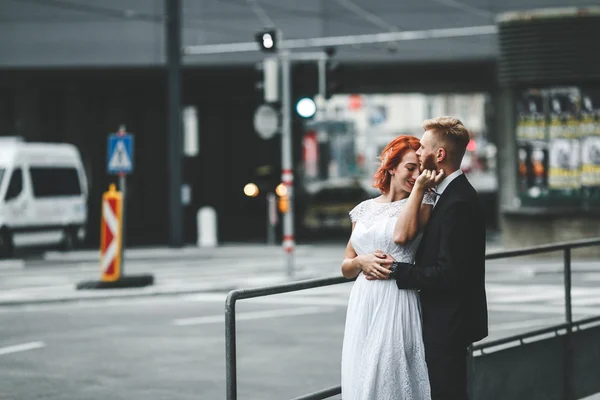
(450, 269)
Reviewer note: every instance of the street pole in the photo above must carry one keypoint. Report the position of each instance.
(174, 159)
(122, 188)
(287, 172)
(321, 118)
(322, 63)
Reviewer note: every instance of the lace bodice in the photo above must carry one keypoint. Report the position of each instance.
(374, 229)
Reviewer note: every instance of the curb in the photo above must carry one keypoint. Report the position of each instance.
(107, 294)
(222, 252)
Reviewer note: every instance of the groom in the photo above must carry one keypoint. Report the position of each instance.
(450, 263)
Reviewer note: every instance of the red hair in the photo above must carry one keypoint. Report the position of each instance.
(390, 158)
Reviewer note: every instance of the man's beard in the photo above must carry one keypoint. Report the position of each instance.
(428, 163)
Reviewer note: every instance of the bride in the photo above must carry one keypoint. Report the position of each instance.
(383, 355)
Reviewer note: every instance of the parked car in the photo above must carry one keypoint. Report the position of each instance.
(327, 209)
(43, 195)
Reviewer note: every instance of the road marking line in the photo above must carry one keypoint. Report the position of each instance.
(12, 265)
(506, 326)
(288, 298)
(577, 302)
(286, 312)
(21, 347)
(545, 309)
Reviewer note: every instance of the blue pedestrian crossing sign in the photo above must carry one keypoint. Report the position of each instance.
(120, 153)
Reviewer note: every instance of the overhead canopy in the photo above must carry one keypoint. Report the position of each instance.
(131, 32)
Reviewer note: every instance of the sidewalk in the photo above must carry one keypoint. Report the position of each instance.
(224, 251)
(227, 250)
(53, 278)
(68, 293)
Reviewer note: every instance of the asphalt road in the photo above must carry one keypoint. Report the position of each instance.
(172, 347)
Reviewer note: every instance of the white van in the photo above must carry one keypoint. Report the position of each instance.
(43, 195)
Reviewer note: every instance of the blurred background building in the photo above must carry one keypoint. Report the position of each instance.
(342, 149)
(74, 70)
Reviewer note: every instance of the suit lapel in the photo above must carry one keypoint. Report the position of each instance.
(457, 182)
(443, 198)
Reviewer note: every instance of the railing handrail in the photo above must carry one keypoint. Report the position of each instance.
(295, 286)
(239, 294)
(543, 248)
(530, 334)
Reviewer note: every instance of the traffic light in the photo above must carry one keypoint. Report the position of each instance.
(332, 78)
(267, 79)
(306, 107)
(259, 83)
(284, 198)
(284, 204)
(332, 74)
(267, 40)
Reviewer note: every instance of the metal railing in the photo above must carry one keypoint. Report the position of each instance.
(235, 295)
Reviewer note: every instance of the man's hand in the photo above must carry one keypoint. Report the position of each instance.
(384, 261)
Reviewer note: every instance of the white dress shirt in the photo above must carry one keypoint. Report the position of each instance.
(444, 184)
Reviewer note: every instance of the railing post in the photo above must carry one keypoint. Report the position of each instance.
(567, 273)
(230, 347)
(568, 379)
(470, 382)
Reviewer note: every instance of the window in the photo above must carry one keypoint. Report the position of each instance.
(55, 181)
(15, 185)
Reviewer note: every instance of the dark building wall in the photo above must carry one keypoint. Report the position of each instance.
(83, 106)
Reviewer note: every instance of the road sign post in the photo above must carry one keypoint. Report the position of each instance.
(120, 162)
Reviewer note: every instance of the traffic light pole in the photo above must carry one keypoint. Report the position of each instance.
(287, 164)
(287, 171)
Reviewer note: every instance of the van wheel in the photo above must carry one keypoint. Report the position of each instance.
(70, 240)
(6, 244)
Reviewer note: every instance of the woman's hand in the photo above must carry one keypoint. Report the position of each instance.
(429, 179)
(374, 266)
(385, 260)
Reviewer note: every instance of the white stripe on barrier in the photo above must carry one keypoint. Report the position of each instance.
(109, 255)
(110, 218)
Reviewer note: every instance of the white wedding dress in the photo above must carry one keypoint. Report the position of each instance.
(383, 357)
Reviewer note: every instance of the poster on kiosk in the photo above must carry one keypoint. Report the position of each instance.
(532, 148)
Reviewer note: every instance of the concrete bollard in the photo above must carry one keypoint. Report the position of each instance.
(206, 221)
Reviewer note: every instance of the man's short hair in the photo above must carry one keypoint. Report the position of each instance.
(451, 134)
